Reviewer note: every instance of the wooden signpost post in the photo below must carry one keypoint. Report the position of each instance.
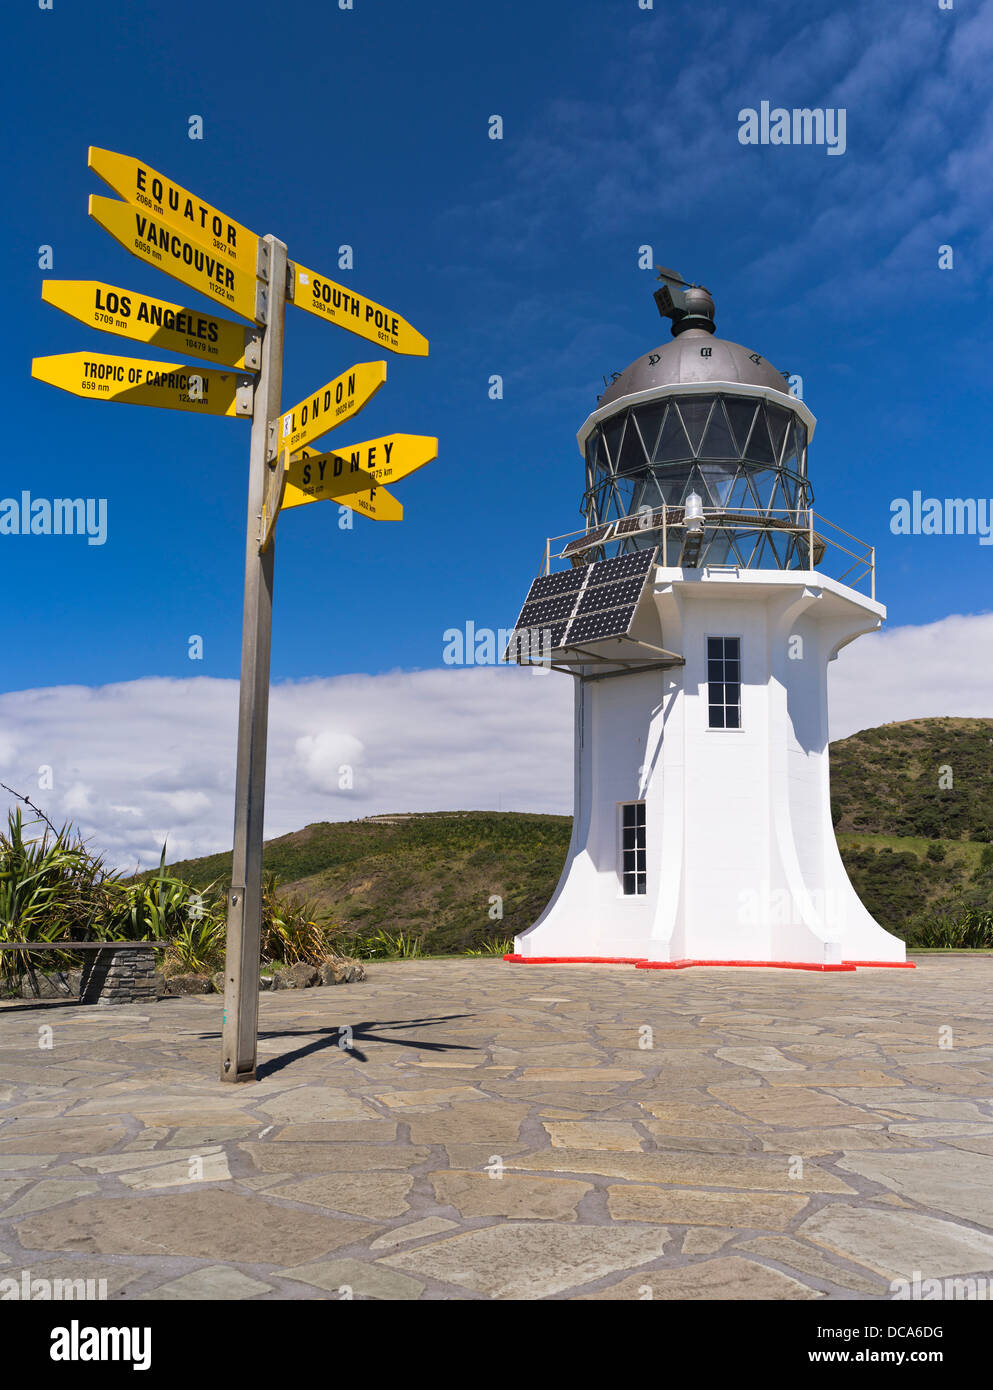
(171, 229)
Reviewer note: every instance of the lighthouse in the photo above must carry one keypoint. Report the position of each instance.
(697, 612)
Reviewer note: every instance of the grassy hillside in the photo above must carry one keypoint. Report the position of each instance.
(912, 805)
(930, 778)
(912, 847)
(430, 875)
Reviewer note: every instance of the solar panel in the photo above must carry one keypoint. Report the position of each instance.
(547, 610)
(622, 566)
(593, 598)
(594, 537)
(639, 521)
(614, 623)
(536, 643)
(580, 605)
(561, 582)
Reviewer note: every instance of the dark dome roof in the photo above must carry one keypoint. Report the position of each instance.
(681, 362)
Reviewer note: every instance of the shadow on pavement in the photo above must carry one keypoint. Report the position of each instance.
(346, 1037)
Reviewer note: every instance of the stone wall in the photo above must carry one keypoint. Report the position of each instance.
(119, 976)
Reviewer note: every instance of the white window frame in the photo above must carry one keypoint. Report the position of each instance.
(724, 637)
(641, 851)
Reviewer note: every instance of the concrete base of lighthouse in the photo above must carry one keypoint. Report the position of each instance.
(742, 864)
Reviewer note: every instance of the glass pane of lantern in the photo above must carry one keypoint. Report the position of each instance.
(612, 432)
(593, 448)
(672, 442)
(633, 458)
(779, 420)
(674, 484)
(718, 479)
(650, 418)
(695, 411)
(717, 442)
(759, 448)
(740, 412)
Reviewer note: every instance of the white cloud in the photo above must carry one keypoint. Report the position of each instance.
(940, 668)
(156, 756)
(137, 762)
(325, 757)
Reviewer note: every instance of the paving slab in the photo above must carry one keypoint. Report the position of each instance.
(526, 1260)
(731, 1277)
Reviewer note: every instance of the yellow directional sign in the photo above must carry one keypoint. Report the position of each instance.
(175, 207)
(178, 255)
(327, 407)
(385, 460)
(173, 385)
(378, 505)
(356, 313)
(374, 502)
(194, 332)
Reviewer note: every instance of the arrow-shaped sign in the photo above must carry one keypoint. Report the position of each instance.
(134, 381)
(329, 405)
(175, 207)
(372, 501)
(280, 495)
(342, 306)
(385, 460)
(193, 332)
(180, 256)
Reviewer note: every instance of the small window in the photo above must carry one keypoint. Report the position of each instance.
(724, 682)
(633, 847)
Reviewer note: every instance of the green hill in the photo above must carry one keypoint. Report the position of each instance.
(924, 777)
(431, 875)
(912, 805)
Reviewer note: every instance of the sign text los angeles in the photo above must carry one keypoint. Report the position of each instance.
(143, 319)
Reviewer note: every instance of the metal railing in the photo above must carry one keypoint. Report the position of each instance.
(815, 538)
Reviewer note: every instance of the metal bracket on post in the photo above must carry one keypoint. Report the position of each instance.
(253, 349)
(270, 443)
(291, 281)
(261, 303)
(244, 396)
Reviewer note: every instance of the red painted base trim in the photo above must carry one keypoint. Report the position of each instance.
(887, 964)
(759, 964)
(640, 963)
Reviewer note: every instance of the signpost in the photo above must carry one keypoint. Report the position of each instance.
(157, 322)
(170, 228)
(239, 1028)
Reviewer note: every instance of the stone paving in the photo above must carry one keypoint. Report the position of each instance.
(511, 1132)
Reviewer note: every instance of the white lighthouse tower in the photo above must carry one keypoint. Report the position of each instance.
(697, 613)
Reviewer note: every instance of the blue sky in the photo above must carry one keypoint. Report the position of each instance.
(518, 257)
